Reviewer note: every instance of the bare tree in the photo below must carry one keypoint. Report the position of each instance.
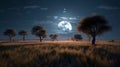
(39, 31)
(10, 33)
(93, 26)
(23, 33)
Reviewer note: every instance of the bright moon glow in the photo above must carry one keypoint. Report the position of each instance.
(64, 26)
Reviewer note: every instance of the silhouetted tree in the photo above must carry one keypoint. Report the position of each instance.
(23, 33)
(77, 37)
(39, 31)
(53, 36)
(44, 36)
(10, 33)
(93, 26)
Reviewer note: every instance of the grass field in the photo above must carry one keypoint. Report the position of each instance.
(59, 54)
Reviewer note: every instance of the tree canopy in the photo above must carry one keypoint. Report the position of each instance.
(53, 36)
(23, 33)
(77, 37)
(39, 31)
(10, 33)
(93, 26)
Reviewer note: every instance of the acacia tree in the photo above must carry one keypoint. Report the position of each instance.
(53, 36)
(77, 37)
(23, 33)
(39, 31)
(10, 33)
(93, 26)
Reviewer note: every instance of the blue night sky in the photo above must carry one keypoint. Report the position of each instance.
(24, 14)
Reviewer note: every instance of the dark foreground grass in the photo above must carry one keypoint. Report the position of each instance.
(55, 55)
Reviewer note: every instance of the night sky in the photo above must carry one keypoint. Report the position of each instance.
(24, 14)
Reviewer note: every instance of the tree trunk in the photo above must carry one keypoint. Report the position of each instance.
(23, 38)
(40, 39)
(93, 40)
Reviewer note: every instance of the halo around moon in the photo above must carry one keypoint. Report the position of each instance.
(64, 26)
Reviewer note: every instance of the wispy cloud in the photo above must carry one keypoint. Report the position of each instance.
(109, 7)
(65, 18)
(44, 8)
(31, 7)
(35, 7)
(56, 17)
(65, 10)
(72, 18)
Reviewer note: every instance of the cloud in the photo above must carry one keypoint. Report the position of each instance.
(109, 7)
(72, 18)
(64, 18)
(31, 7)
(28, 7)
(68, 18)
(65, 10)
(35, 7)
(56, 17)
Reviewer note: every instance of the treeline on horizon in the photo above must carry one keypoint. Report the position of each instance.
(92, 26)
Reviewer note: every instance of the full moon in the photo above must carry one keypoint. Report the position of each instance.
(64, 26)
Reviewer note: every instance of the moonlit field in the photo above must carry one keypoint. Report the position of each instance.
(59, 54)
(59, 33)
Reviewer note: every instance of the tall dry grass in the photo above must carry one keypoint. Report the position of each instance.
(59, 54)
